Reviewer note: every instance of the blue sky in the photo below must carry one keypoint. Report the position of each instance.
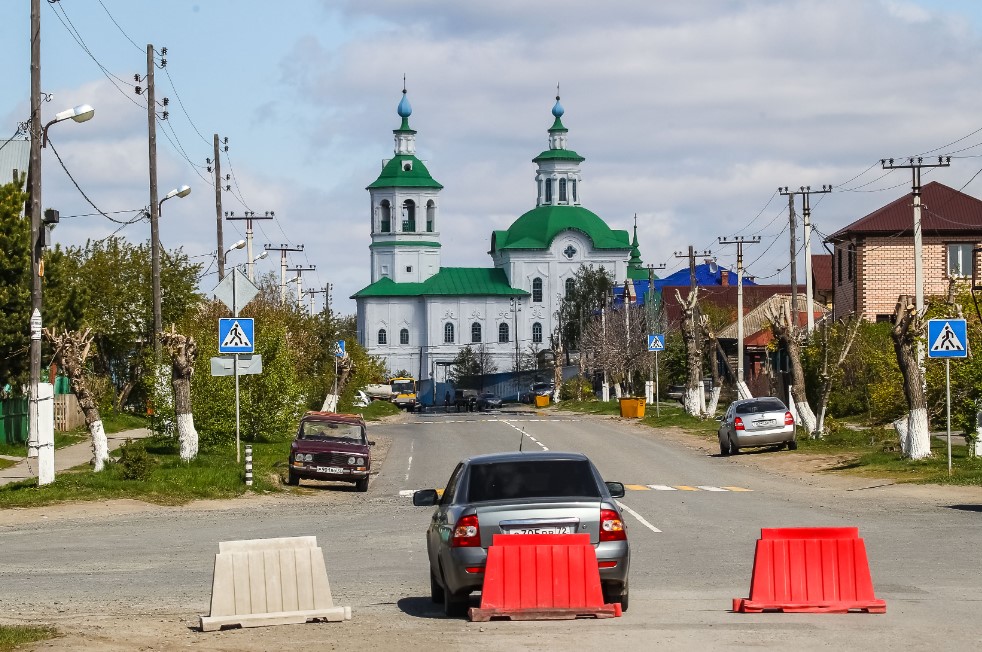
(689, 114)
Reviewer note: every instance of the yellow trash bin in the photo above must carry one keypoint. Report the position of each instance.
(541, 401)
(632, 408)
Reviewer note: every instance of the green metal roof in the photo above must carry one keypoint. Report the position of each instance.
(638, 274)
(558, 155)
(472, 281)
(557, 125)
(394, 176)
(537, 228)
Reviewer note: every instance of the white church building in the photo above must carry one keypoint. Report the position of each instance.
(417, 314)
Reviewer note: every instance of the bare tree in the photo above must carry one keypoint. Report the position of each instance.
(183, 353)
(829, 377)
(712, 344)
(908, 326)
(71, 351)
(695, 398)
(786, 332)
(556, 343)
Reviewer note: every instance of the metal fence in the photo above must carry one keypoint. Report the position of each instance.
(13, 421)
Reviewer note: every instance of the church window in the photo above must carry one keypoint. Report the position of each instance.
(430, 216)
(386, 216)
(537, 290)
(448, 334)
(502, 333)
(407, 166)
(537, 332)
(382, 336)
(404, 336)
(574, 192)
(409, 269)
(562, 190)
(570, 286)
(409, 216)
(548, 191)
(476, 332)
(569, 251)
(538, 182)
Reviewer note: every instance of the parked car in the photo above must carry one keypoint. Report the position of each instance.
(465, 399)
(545, 388)
(331, 446)
(540, 492)
(488, 401)
(750, 422)
(677, 392)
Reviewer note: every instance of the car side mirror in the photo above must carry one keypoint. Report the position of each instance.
(425, 497)
(616, 489)
(371, 443)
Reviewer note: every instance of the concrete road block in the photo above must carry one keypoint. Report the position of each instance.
(259, 582)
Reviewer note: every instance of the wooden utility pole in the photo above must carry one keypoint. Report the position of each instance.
(739, 241)
(805, 192)
(154, 205)
(34, 179)
(249, 216)
(218, 212)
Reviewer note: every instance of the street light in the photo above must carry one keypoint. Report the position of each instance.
(251, 265)
(181, 192)
(237, 245)
(81, 113)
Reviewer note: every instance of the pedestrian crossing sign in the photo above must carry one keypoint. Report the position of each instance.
(236, 335)
(656, 342)
(947, 338)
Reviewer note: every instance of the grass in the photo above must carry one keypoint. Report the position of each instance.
(112, 423)
(13, 636)
(668, 414)
(376, 410)
(62, 439)
(119, 421)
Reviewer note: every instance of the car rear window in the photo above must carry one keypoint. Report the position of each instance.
(766, 405)
(532, 479)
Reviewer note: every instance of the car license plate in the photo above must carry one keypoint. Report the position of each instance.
(337, 470)
(765, 422)
(559, 529)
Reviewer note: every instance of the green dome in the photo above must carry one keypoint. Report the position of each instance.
(537, 229)
(395, 175)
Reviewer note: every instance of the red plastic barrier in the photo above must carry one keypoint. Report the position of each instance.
(817, 570)
(542, 577)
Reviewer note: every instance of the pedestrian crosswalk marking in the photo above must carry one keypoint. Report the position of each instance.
(736, 489)
(408, 493)
(705, 488)
(636, 487)
(683, 487)
(661, 487)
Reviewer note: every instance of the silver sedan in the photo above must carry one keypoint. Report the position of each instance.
(521, 493)
(749, 422)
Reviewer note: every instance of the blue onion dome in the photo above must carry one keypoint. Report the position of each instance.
(557, 109)
(405, 110)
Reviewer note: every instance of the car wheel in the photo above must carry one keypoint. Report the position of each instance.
(733, 448)
(291, 479)
(724, 446)
(361, 485)
(792, 445)
(436, 591)
(620, 597)
(454, 604)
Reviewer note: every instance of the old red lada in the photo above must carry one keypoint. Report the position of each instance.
(331, 446)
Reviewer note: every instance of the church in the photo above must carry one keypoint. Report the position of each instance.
(417, 314)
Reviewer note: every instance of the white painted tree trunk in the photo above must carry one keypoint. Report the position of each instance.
(188, 436)
(713, 402)
(100, 445)
(692, 402)
(617, 391)
(806, 416)
(973, 443)
(918, 435)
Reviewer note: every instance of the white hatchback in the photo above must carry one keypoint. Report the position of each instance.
(750, 422)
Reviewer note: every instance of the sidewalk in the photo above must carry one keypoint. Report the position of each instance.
(69, 456)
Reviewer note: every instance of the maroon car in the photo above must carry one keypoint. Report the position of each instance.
(331, 446)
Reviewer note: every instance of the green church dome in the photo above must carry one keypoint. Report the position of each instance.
(537, 229)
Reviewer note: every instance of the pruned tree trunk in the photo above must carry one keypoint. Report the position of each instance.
(183, 352)
(557, 365)
(828, 377)
(908, 325)
(71, 351)
(786, 331)
(712, 344)
(694, 401)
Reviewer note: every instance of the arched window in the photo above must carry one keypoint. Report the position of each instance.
(382, 337)
(404, 336)
(570, 286)
(537, 290)
(448, 333)
(562, 190)
(476, 332)
(409, 216)
(502, 332)
(538, 182)
(430, 216)
(574, 192)
(537, 332)
(386, 216)
(548, 191)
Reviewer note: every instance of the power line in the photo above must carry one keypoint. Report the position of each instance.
(82, 192)
(138, 47)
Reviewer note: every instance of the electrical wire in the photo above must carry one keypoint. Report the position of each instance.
(120, 27)
(181, 103)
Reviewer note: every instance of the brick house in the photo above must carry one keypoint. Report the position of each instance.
(873, 261)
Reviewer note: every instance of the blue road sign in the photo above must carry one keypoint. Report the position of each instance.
(339, 349)
(656, 342)
(947, 338)
(236, 335)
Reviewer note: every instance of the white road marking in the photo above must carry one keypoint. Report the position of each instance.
(405, 493)
(640, 518)
(705, 488)
(412, 444)
(661, 487)
(525, 434)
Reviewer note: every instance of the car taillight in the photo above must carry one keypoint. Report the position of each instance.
(611, 526)
(467, 533)
(738, 424)
(788, 419)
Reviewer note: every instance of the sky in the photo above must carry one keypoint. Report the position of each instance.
(690, 116)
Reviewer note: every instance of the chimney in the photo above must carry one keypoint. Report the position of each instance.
(724, 277)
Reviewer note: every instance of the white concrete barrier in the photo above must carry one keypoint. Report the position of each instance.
(261, 582)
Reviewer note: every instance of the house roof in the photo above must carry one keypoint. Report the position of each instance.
(471, 281)
(537, 228)
(756, 321)
(946, 211)
(822, 272)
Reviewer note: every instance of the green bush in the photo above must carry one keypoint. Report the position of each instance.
(576, 389)
(135, 462)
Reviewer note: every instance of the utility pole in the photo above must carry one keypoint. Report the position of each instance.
(692, 273)
(218, 209)
(696, 340)
(300, 269)
(794, 257)
(310, 293)
(283, 248)
(34, 178)
(805, 192)
(739, 241)
(249, 216)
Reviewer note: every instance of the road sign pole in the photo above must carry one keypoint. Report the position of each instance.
(235, 364)
(947, 378)
(657, 406)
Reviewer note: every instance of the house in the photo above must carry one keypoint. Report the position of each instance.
(822, 285)
(874, 256)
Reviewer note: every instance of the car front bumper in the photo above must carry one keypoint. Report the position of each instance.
(348, 474)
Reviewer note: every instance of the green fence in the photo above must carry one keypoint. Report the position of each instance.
(13, 421)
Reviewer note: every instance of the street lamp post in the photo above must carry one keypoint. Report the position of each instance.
(181, 192)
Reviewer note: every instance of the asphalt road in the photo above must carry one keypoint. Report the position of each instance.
(141, 577)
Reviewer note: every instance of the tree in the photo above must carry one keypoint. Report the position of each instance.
(694, 400)
(833, 336)
(471, 366)
(786, 331)
(711, 346)
(15, 287)
(183, 351)
(912, 428)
